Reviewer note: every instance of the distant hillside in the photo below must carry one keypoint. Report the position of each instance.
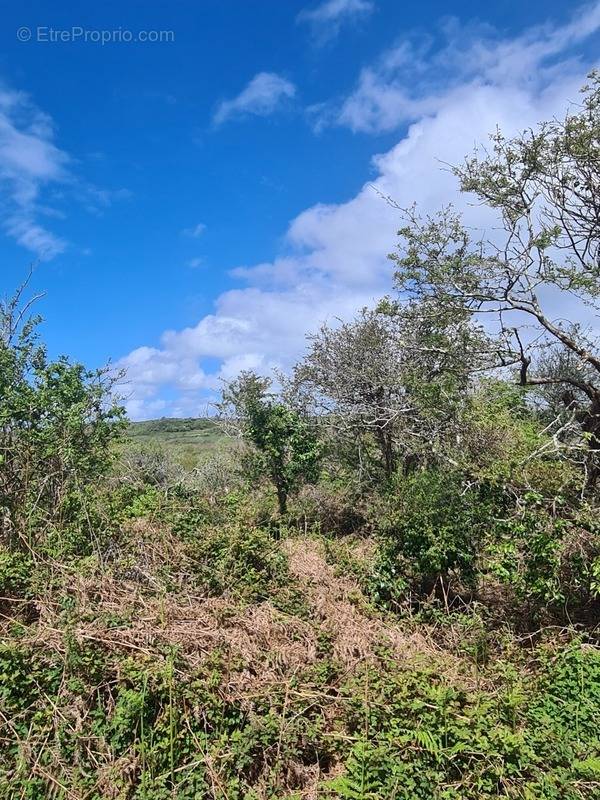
(188, 440)
(173, 425)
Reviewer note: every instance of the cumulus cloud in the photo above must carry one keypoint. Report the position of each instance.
(264, 95)
(418, 74)
(327, 18)
(333, 259)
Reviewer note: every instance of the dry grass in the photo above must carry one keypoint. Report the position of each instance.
(337, 602)
(263, 651)
(262, 644)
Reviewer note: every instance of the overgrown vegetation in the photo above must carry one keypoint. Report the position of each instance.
(389, 587)
(189, 442)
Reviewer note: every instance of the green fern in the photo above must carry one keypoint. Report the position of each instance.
(426, 740)
(363, 779)
(590, 766)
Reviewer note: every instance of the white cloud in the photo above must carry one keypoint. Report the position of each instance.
(29, 160)
(195, 231)
(327, 18)
(265, 93)
(34, 237)
(30, 164)
(416, 76)
(149, 367)
(334, 256)
(195, 263)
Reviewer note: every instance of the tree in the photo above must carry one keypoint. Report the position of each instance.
(58, 421)
(545, 186)
(393, 374)
(285, 446)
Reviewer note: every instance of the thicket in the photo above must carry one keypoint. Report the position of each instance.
(389, 589)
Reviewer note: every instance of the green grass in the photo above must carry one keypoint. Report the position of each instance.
(188, 441)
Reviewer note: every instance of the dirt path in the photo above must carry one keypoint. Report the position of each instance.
(339, 605)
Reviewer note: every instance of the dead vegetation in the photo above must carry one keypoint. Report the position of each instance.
(263, 645)
(357, 632)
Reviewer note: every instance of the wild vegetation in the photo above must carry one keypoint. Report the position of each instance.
(386, 586)
(188, 441)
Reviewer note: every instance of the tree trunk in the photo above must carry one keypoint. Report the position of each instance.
(282, 500)
(591, 426)
(386, 445)
(410, 464)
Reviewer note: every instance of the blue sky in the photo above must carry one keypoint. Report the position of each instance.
(197, 205)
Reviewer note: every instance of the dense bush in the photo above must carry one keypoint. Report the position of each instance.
(547, 559)
(57, 424)
(149, 465)
(443, 534)
(328, 508)
(238, 561)
(431, 537)
(417, 736)
(149, 729)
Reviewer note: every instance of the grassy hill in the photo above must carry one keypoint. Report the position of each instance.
(188, 440)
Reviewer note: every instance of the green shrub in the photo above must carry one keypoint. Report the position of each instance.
(284, 445)
(15, 572)
(145, 729)
(58, 421)
(443, 535)
(416, 735)
(547, 560)
(241, 562)
(432, 533)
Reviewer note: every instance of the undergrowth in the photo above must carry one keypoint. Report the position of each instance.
(307, 628)
(80, 723)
